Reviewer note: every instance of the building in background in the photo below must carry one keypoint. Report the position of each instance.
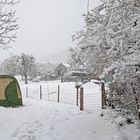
(61, 69)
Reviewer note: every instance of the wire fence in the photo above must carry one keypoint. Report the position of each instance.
(59, 93)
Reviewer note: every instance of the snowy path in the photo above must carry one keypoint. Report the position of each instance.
(41, 120)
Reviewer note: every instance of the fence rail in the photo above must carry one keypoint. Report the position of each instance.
(59, 93)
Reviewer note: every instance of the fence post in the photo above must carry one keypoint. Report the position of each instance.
(139, 115)
(40, 92)
(81, 99)
(48, 92)
(58, 98)
(77, 95)
(26, 92)
(103, 98)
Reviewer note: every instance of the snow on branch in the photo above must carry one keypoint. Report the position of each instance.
(8, 23)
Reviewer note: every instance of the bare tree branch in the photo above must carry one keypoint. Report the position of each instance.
(8, 23)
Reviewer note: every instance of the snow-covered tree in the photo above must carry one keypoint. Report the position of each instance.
(11, 65)
(45, 70)
(111, 42)
(91, 40)
(122, 33)
(76, 59)
(8, 23)
(28, 67)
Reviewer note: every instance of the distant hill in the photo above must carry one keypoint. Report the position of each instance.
(59, 57)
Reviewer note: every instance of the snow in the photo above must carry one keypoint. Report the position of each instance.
(45, 120)
(75, 73)
(66, 64)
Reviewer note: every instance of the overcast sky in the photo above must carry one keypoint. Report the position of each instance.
(46, 26)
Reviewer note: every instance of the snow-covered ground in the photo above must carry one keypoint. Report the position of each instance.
(45, 120)
(49, 91)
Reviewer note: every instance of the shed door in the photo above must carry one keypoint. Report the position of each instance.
(11, 93)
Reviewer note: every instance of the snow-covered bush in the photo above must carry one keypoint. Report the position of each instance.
(126, 89)
(111, 42)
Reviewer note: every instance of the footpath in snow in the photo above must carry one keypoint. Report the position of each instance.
(42, 120)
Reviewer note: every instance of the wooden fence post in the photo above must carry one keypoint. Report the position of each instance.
(139, 115)
(81, 99)
(48, 92)
(103, 98)
(40, 92)
(58, 98)
(26, 92)
(77, 95)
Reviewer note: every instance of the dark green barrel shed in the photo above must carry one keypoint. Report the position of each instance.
(10, 93)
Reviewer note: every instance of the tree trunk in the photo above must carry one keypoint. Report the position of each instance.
(26, 80)
(136, 101)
